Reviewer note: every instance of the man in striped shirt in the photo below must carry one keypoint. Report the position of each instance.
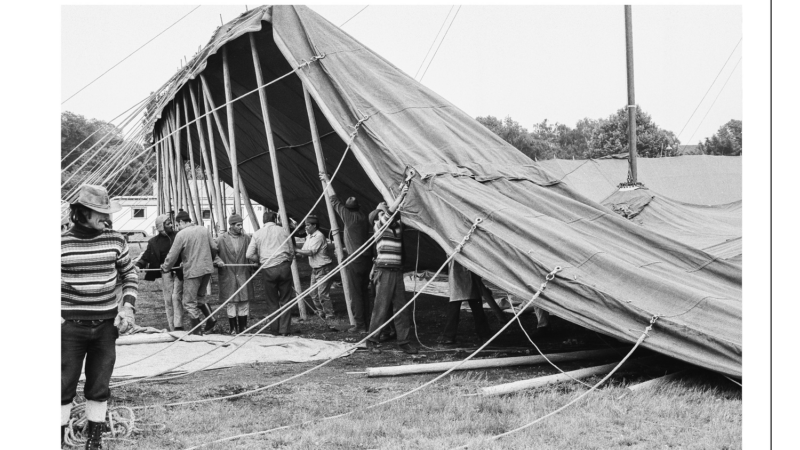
(388, 276)
(94, 262)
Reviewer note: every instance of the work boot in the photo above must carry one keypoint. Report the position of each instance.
(408, 349)
(242, 323)
(233, 324)
(373, 347)
(357, 329)
(384, 337)
(94, 432)
(194, 323)
(211, 322)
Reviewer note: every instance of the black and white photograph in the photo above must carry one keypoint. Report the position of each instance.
(402, 226)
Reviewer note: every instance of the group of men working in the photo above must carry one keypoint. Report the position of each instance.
(186, 257)
(99, 284)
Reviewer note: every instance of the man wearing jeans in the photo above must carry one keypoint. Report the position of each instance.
(272, 248)
(171, 282)
(94, 261)
(194, 246)
(316, 248)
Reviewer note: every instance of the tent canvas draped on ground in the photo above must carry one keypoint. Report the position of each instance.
(616, 274)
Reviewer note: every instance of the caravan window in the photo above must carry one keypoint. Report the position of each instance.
(138, 213)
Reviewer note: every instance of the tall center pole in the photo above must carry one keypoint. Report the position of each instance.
(337, 237)
(631, 98)
(237, 204)
(273, 158)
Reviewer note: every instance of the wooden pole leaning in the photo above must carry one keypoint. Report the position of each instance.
(168, 199)
(164, 176)
(197, 203)
(242, 189)
(180, 170)
(176, 200)
(159, 198)
(237, 204)
(212, 195)
(220, 198)
(273, 159)
(337, 237)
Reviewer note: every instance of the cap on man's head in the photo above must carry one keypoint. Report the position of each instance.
(312, 219)
(161, 220)
(183, 216)
(96, 198)
(351, 203)
(235, 218)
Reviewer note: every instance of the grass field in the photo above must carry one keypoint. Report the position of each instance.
(700, 411)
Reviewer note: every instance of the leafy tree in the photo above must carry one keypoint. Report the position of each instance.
(651, 141)
(727, 141)
(512, 132)
(135, 178)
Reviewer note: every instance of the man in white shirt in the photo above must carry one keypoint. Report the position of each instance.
(272, 248)
(316, 248)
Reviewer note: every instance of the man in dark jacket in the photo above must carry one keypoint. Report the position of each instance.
(356, 232)
(172, 281)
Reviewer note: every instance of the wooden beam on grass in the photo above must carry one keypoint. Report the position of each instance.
(656, 381)
(273, 159)
(579, 374)
(488, 363)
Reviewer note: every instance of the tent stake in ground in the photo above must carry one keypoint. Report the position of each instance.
(273, 159)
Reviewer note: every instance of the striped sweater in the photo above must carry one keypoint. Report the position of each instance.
(389, 247)
(93, 264)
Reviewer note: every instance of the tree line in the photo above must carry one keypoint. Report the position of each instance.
(597, 138)
(88, 145)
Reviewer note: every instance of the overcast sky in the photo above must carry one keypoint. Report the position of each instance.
(560, 63)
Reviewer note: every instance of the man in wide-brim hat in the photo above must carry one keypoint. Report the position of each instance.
(94, 261)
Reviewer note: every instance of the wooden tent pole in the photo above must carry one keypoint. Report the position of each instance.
(180, 170)
(159, 199)
(237, 205)
(176, 199)
(197, 205)
(164, 175)
(203, 150)
(221, 212)
(337, 237)
(198, 220)
(412, 369)
(273, 158)
(167, 175)
(226, 143)
(631, 97)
